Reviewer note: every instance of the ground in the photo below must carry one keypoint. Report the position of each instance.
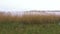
(18, 28)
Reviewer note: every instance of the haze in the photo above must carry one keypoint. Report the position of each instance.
(20, 5)
(23, 5)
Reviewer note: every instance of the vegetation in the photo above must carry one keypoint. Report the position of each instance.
(29, 24)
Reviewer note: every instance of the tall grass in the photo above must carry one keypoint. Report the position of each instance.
(11, 24)
(30, 19)
(40, 19)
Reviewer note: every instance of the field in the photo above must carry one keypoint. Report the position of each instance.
(17, 28)
(29, 24)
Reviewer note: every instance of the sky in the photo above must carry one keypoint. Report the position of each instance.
(21, 5)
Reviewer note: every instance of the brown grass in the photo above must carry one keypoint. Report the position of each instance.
(30, 19)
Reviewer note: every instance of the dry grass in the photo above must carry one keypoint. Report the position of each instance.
(30, 19)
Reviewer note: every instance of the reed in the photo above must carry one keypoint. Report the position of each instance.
(30, 19)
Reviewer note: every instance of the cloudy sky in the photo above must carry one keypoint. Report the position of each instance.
(20, 5)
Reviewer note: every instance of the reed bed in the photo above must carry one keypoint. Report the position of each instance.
(30, 19)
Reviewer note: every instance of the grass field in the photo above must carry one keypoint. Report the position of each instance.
(18, 28)
(29, 24)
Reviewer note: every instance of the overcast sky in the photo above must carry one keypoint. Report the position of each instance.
(19, 5)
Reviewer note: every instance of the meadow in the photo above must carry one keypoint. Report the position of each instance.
(29, 24)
